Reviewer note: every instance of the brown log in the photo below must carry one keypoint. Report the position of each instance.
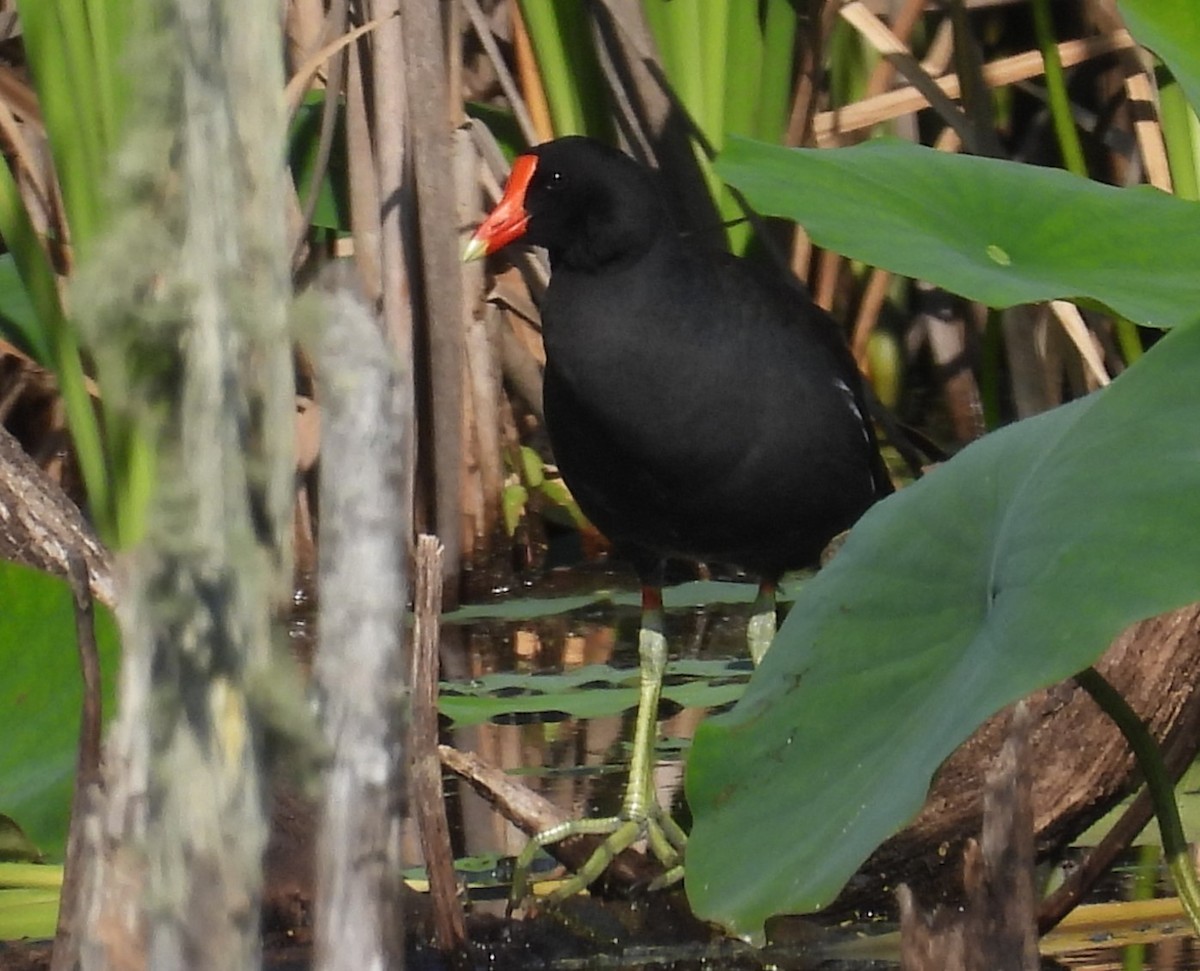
(1081, 764)
(41, 527)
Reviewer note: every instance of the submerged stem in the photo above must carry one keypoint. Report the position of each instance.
(1158, 783)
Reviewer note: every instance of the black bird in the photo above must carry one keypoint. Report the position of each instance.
(698, 406)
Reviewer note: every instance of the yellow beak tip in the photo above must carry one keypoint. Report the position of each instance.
(476, 249)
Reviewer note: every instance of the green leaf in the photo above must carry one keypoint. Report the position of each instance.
(74, 94)
(533, 469)
(779, 33)
(560, 34)
(1170, 28)
(18, 321)
(694, 593)
(994, 231)
(512, 501)
(14, 844)
(1008, 568)
(59, 338)
(28, 914)
(333, 194)
(40, 699)
(503, 125)
(31, 876)
(76, 54)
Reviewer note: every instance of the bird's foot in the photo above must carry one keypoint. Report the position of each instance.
(664, 837)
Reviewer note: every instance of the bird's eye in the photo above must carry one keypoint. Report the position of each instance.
(555, 180)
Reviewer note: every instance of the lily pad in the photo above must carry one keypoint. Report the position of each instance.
(694, 593)
(592, 691)
(1008, 568)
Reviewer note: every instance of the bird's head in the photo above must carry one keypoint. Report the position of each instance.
(586, 203)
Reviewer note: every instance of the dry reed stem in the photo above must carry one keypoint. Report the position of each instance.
(828, 126)
(26, 165)
(1146, 128)
(875, 32)
(508, 85)
(299, 82)
(905, 19)
(531, 79)
(865, 321)
(1073, 323)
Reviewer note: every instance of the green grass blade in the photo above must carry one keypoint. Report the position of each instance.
(57, 46)
(656, 18)
(778, 53)
(591, 89)
(108, 22)
(66, 359)
(849, 64)
(1056, 90)
(19, 323)
(549, 45)
(682, 23)
(713, 25)
(75, 50)
(689, 33)
(744, 56)
(1178, 126)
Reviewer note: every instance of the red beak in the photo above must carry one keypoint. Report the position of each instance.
(509, 219)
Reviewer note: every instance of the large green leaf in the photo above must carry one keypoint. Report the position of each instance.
(993, 231)
(1010, 567)
(40, 698)
(1170, 28)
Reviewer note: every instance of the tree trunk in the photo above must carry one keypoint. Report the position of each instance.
(359, 671)
(186, 302)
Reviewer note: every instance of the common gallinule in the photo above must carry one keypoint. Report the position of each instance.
(698, 406)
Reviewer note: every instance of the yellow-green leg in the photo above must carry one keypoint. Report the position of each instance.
(761, 631)
(640, 814)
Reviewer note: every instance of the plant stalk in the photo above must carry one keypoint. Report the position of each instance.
(1056, 91)
(1178, 123)
(1158, 783)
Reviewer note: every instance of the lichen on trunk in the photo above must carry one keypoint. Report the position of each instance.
(184, 300)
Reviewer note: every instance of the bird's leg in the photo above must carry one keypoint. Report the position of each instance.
(762, 622)
(652, 656)
(640, 814)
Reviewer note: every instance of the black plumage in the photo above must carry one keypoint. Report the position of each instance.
(698, 406)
